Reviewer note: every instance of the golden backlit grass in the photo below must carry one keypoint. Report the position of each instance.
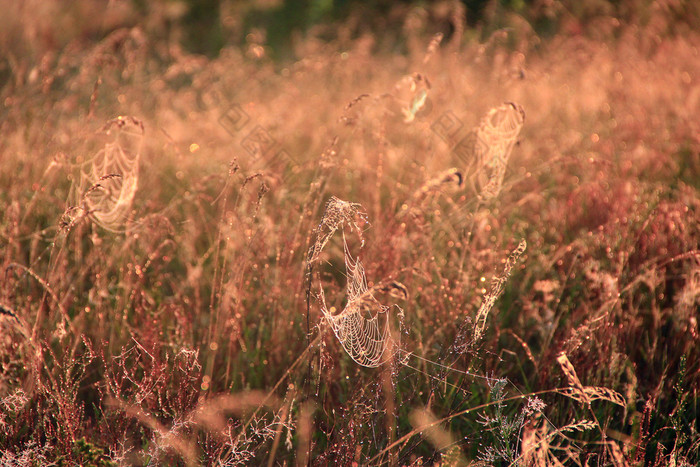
(180, 333)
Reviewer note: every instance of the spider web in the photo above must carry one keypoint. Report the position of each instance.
(110, 179)
(492, 142)
(338, 213)
(367, 341)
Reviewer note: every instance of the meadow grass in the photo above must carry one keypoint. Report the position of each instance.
(161, 210)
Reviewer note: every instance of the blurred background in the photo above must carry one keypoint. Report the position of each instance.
(207, 26)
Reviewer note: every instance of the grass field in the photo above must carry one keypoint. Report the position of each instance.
(460, 250)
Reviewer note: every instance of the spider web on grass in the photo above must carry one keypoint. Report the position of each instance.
(367, 341)
(110, 179)
(491, 143)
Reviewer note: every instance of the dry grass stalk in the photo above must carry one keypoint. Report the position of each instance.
(304, 431)
(535, 447)
(497, 286)
(444, 441)
(7, 311)
(210, 413)
(64, 314)
(571, 376)
(433, 46)
(525, 347)
(448, 176)
(586, 394)
(538, 447)
(618, 457)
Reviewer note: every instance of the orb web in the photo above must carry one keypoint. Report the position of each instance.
(492, 142)
(110, 179)
(363, 326)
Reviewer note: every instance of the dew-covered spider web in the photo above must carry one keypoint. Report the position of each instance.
(358, 327)
(110, 179)
(363, 326)
(338, 214)
(491, 143)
